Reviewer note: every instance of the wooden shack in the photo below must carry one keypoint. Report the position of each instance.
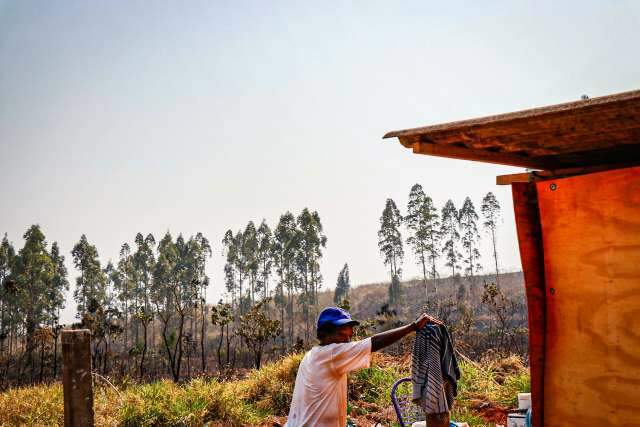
(577, 211)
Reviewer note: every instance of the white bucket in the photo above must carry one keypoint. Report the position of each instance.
(524, 400)
(516, 420)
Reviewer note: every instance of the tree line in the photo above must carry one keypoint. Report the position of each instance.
(147, 310)
(152, 296)
(448, 236)
(289, 256)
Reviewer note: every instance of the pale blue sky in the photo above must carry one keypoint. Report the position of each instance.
(119, 117)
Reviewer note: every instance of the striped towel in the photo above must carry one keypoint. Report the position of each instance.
(434, 370)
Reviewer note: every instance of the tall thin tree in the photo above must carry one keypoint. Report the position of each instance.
(286, 246)
(34, 274)
(451, 236)
(91, 285)
(470, 237)
(423, 225)
(390, 238)
(343, 285)
(491, 211)
(264, 257)
(390, 245)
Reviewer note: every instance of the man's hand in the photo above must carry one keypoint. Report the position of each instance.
(423, 320)
(383, 339)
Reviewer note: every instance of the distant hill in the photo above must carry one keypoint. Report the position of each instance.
(367, 299)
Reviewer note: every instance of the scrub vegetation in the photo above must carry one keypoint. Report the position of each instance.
(262, 397)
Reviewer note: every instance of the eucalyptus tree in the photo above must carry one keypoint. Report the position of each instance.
(250, 255)
(8, 315)
(113, 313)
(390, 238)
(235, 267)
(143, 262)
(264, 257)
(468, 226)
(343, 285)
(424, 237)
(394, 290)
(311, 242)
(451, 236)
(184, 294)
(178, 288)
(168, 299)
(36, 295)
(285, 249)
(59, 286)
(124, 281)
(90, 286)
(491, 211)
(199, 252)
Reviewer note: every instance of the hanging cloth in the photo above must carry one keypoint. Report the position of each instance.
(434, 370)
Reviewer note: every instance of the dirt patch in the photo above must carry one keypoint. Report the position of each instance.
(490, 411)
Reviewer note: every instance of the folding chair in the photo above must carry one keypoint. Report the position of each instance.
(406, 411)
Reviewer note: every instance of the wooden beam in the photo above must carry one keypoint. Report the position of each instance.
(529, 229)
(480, 156)
(513, 178)
(76, 378)
(560, 173)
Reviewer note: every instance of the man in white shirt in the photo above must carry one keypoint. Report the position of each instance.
(320, 391)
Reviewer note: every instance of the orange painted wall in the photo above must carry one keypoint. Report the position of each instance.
(591, 241)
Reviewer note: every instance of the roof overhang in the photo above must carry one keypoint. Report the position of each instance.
(586, 133)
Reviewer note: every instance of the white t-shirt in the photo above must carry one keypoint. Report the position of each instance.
(320, 392)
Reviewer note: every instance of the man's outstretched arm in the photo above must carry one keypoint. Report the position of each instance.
(384, 339)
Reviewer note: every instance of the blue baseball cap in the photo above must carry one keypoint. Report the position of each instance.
(335, 316)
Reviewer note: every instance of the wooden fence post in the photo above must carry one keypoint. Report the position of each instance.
(76, 378)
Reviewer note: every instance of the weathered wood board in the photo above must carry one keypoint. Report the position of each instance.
(527, 213)
(591, 240)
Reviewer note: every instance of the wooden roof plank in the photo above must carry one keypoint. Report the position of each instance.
(523, 114)
(582, 133)
(481, 155)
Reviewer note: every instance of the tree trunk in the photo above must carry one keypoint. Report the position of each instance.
(126, 321)
(165, 340)
(228, 346)
(178, 354)
(495, 256)
(107, 345)
(55, 356)
(307, 303)
(41, 360)
(203, 332)
(144, 348)
(258, 358)
(290, 313)
(424, 274)
(219, 351)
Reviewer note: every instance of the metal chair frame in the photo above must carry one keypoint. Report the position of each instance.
(406, 411)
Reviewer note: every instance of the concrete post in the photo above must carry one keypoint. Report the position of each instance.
(76, 378)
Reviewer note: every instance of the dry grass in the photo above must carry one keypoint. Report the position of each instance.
(264, 395)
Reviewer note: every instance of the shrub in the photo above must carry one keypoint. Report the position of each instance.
(36, 406)
(271, 387)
